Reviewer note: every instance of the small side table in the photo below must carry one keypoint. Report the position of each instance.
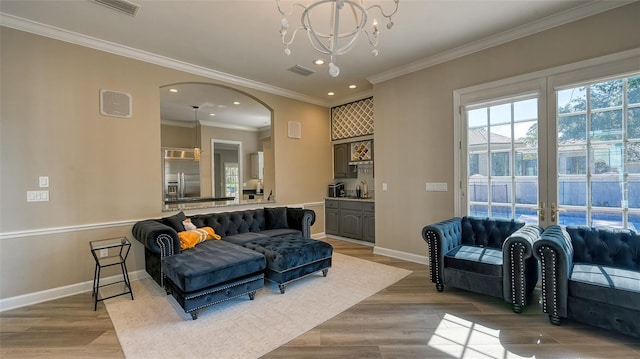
(110, 252)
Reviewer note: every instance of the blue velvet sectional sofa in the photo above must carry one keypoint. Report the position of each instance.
(217, 270)
(591, 275)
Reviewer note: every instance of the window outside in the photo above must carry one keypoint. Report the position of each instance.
(598, 128)
(502, 142)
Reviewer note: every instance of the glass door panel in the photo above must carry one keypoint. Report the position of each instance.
(598, 153)
(231, 179)
(502, 159)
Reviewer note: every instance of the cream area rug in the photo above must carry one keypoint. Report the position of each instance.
(155, 326)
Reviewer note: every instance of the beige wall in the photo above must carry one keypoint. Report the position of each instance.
(104, 170)
(414, 117)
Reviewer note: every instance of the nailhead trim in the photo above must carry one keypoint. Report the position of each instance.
(433, 254)
(544, 280)
(164, 252)
(222, 300)
(544, 251)
(514, 292)
(554, 285)
(306, 225)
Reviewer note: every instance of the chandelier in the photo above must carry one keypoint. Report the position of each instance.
(330, 39)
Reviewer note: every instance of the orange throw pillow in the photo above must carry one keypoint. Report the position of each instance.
(189, 239)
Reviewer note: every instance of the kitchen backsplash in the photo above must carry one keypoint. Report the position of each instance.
(351, 183)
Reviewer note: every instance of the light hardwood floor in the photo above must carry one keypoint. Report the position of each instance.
(407, 320)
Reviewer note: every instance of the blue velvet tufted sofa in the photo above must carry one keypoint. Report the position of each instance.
(591, 275)
(491, 256)
(217, 270)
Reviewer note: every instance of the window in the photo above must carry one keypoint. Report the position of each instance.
(505, 132)
(598, 152)
(231, 179)
(559, 146)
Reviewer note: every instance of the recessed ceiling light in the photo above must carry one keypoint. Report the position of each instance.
(173, 90)
(352, 86)
(236, 102)
(212, 114)
(331, 94)
(319, 62)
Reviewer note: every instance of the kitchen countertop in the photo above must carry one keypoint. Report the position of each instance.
(214, 204)
(368, 199)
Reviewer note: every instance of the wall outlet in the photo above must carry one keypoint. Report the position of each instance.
(436, 187)
(37, 196)
(104, 252)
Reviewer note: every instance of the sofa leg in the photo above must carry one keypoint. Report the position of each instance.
(439, 287)
(517, 308)
(194, 315)
(252, 295)
(554, 319)
(282, 288)
(325, 272)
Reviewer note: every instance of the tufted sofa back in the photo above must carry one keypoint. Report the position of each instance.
(488, 232)
(231, 223)
(605, 246)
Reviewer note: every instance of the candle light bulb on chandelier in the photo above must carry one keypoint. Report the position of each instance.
(334, 70)
(328, 35)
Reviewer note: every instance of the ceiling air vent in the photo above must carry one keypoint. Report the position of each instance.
(124, 6)
(301, 70)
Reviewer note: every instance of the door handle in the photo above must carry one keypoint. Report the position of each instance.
(554, 212)
(540, 210)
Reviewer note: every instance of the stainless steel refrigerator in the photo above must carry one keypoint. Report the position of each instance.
(181, 174)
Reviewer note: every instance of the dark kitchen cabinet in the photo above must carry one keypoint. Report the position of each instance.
(351, 223)
(350, 219)
(341, 157)
(369, 223)
(331, 217)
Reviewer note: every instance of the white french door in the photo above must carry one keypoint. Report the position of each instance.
(559, 147)
(597, 128)
(502, 159)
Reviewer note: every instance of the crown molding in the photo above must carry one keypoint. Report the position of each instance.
(22, 24)
(185, 124)
(589, 9)
(359, 96)
(229, 126)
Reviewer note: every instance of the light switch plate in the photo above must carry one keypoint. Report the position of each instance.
(436, 187)
(44, 181)
(384, 186)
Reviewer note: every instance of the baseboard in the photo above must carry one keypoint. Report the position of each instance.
(350, 240)
(401, 255)
(61, 292)
(318, 235)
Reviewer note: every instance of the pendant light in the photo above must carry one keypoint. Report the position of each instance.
(196, 148)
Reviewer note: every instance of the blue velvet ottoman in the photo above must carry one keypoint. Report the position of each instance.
(212, 272)
(292, 257)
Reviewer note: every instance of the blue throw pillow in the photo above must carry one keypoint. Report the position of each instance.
(175, 221)
(276, 218)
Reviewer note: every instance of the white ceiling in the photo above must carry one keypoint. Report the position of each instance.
(238, 41)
